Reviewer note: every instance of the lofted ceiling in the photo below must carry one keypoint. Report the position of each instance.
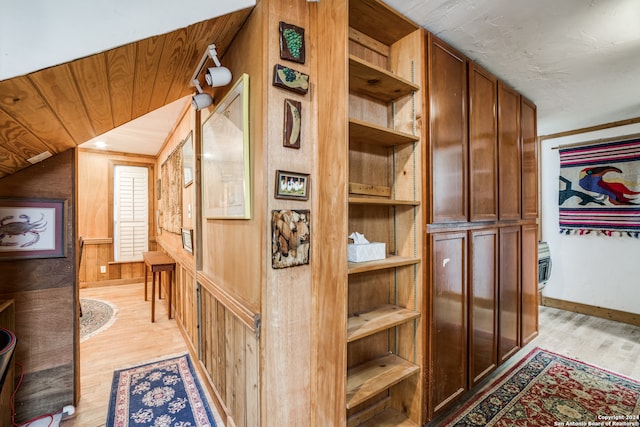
(65, 105)
(576, 59)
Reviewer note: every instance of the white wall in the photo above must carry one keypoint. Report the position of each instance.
(37, 34)
(595, 270)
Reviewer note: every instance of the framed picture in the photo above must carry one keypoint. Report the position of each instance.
(226, 178)
(292, 185)
(31, 228)
(292, 123)
(290, 238)
(187, 160)
(290, 79)
(187, 240)
(292, 46)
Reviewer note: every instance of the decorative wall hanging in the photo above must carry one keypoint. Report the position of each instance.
(291, 238)
(600, 188)
(292, 185)
(171, 200)
(292, 123)
(31, 228)
(187, 160)
(290, 79)
(292, 47)
(226, 178)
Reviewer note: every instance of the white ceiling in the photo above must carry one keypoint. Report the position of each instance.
(144, 135)
(578, 60)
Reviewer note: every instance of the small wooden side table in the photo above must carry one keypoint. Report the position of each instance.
(157, 262)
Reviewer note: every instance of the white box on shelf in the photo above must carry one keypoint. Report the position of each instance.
(361, 252)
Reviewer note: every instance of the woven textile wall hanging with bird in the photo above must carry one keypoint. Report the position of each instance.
(600, 189)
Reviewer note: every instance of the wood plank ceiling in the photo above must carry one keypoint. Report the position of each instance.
(60, 107)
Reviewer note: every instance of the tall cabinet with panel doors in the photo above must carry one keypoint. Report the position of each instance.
(481, 245)
(384, 347)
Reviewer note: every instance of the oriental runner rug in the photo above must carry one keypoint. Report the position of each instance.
(547, 389)
(600, 189)
(165, 393)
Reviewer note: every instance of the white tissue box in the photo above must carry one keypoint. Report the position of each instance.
(360, 252)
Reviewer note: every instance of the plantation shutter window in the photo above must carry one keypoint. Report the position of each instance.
(131, 222)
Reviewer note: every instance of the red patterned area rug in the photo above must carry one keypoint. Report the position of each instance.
(547, 389)
(165, 393)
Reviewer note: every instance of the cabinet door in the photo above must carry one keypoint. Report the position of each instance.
(447, 169)
(509, 294)
(483, 145)
(529, 283)
(448, 328)
(483, 304)
(509, 170)
(529, 159)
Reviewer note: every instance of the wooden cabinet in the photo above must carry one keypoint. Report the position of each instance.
(481, 186)
(528, 136)
(447, 100)
(483, 304)
(529, 304)
(483, 145)
(447, 365)
(384, 351)
(509, 157)
(509, 296)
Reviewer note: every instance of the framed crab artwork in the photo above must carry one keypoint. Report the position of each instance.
(31, 228)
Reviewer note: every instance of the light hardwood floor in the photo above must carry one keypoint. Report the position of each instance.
(133, 339)
(130, 341)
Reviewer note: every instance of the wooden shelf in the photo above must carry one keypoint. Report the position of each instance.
(379, 21)
(368, 379)
(379, 319)
(368, 133)
(381, 202)
(391, 261)
(389, 418)
(376, 82)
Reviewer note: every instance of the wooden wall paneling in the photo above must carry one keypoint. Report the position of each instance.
(90, 74)
(121, 65)
(509, 153)
(509, 296)
(447, 94)
(243, 241)
(47, 358)
(483, 304)
(147, 66)
(58, 87)
(37, 285)
(20, 100)
(528, 135)
(20, 144)
(483, 144)
(447, 369)
(529, 308)
(329, 30)
(173, 54)
(230, 356)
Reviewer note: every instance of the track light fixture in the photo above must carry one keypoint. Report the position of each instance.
(201, 99)
(215, 77)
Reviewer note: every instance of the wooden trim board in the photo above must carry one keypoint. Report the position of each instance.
(604, 313)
